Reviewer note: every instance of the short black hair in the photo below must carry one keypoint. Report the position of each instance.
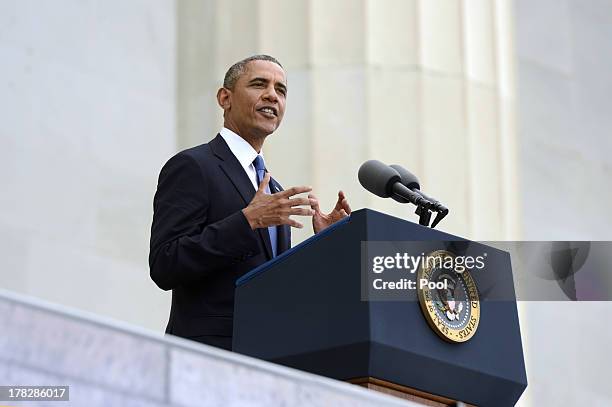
(236, 70)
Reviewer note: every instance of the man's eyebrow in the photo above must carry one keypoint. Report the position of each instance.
(258, 79)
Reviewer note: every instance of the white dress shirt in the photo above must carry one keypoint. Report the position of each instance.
(244, 152)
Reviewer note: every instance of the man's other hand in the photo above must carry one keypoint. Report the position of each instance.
(275, 209)
(320, 220)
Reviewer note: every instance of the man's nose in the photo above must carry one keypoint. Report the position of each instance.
(270, 94)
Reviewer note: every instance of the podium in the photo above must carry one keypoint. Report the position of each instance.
(305, 309)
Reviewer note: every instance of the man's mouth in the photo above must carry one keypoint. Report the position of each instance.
(268, 111)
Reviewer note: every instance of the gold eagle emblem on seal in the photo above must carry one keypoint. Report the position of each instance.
(448, 298)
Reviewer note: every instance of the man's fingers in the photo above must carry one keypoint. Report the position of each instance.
(339, 201)
(294, 191)
(264, 183)
(344, 202)
(299, 201)
(294, 223)
(314, 202)
(343, 213)
(345, 206)
(302, 211)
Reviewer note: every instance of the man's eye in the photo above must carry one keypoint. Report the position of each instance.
(282, 91)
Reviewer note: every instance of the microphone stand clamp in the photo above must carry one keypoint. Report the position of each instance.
(424, 215)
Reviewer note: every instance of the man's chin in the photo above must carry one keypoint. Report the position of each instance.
(265, 131)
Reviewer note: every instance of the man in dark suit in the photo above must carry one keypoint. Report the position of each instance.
(217, 211)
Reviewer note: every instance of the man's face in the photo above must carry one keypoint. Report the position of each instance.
(256, 105)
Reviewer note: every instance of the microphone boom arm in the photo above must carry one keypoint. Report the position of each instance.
(437, 206)
(402, 191)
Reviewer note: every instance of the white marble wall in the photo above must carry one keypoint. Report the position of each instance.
(564, 57)
(106, 363)
(87, 92)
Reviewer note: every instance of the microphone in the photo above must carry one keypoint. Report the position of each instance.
(384, 181)
(408, 179)
(411, 181)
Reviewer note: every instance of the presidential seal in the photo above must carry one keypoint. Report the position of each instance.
(448, 298)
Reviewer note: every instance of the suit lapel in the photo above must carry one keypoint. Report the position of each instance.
(233, 170)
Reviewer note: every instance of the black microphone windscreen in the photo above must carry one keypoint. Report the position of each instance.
(408, 179)
(378, 178)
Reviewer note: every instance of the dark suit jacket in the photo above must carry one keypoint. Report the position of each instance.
(201, 242)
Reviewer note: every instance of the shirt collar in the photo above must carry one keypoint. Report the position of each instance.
(244, 152)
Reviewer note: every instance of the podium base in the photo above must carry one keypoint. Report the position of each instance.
(406, 393)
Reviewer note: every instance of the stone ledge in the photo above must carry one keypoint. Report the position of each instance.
(105, 361)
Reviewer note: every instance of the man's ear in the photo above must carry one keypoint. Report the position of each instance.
(224, 98)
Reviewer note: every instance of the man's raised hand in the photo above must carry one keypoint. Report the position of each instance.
(321, 220)
(275, 209)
